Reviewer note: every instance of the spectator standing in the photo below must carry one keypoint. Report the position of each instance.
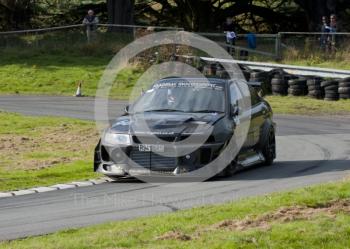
(90, 21)
(324, 29)
(333, 29)
(251, 44)
(229, 29)
(333, 24)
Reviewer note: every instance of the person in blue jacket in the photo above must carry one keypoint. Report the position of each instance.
(251, 44)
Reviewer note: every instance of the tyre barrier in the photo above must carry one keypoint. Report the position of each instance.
(279, 85)
(246, 72)
(210, 70)
(278, 82)
(314, 88)
(216, 69)
(263, 77)
(297, 87)
(344, 88)
(331, 90)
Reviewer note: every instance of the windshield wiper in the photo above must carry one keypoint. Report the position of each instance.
(207, 111)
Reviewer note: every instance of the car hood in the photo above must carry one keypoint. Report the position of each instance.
(166, 123)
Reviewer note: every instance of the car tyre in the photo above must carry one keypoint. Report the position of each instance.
(269, 150)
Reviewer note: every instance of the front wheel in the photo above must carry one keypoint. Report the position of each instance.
(269, 150)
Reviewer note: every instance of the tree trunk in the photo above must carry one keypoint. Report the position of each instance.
(201, 11)
(16, 14)
(120, 12)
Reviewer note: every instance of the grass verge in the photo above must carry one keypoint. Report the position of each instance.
(39, 151)
(335, 64)
(308, 106)
(311, 217)
(59, 74)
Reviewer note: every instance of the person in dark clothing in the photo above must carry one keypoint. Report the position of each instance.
(333, 29)
(229, 29)
(91, 22)
(324, 29)
(333, 24)
(228, 25)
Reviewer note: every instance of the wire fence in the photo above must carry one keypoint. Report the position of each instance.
(266, 45)
(314, 47)
(109, 39)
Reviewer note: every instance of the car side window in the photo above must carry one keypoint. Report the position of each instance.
(235, 94)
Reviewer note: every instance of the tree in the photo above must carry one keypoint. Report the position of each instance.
(315, 9)
(204, 15)
(268, 16)
(120, 11)
(16, 14)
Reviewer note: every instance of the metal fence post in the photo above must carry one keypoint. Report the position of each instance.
(278, 46)
(36, 40)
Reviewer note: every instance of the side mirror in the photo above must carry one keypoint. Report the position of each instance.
(235, 110)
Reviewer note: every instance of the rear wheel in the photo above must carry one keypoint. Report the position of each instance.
(269, 149)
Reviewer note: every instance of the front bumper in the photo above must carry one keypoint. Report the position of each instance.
(129, 161)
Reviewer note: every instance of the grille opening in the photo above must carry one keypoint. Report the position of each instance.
(153, 161)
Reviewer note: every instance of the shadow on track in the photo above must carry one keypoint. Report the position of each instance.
(279, 170)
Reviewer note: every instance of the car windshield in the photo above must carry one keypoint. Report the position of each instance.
(182, 96)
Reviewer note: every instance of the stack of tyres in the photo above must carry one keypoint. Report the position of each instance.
(260, 76)
(344, 88)
(220, 71)
(314, 88)
(276, 73)
(210, 70)
(289, 77)
(297, 87)
(279, 85)
(222, 74)
(331, 90)
(246, 72)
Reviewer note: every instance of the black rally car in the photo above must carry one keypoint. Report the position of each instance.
(150, 138)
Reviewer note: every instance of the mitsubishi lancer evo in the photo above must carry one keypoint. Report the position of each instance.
(150, 138)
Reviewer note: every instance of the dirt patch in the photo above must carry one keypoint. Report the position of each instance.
(174, 235)
(286, 214)
(264, 222)
(46, 147)
(241, 225)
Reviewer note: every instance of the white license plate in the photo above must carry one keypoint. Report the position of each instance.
(151, 147)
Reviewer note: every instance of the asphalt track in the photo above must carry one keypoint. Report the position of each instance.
(310, 150)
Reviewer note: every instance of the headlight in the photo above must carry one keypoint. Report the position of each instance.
(113, 139)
